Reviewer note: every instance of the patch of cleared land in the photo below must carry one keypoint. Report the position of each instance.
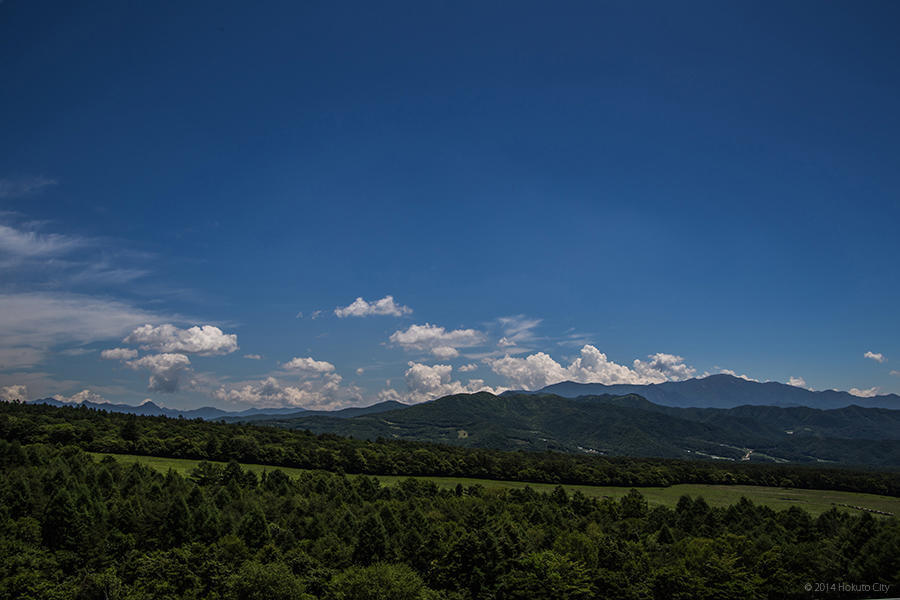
(814, 501)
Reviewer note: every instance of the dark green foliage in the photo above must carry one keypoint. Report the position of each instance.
(72, 526)
(100, 431)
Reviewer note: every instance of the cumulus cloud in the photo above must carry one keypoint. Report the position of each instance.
(205, 340)
(427, 382)
(165, 369)
(361, 308)
(876, 356)
(895, 373)
(869, 393)
(13, 392)
(82, 396)
(119, 354)
(592, 366)
(438, 341)
(468, 367)
(309, 365)
(323, 393)
(798, 382)
(445, 352)
(360, 371)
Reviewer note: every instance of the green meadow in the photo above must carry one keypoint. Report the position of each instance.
(813, 501)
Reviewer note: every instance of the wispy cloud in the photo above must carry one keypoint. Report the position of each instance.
(36, 322)
(24, 186)
(29, 243)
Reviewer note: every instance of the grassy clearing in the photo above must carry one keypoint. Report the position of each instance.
(814, 501)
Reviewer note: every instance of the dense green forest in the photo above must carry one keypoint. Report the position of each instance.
(73, 527)
(100, 431)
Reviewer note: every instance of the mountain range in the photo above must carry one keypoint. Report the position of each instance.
(722, 391)
(150, 408)
(629, 425)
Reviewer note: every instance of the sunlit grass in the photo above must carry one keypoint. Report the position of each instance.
(813, 501)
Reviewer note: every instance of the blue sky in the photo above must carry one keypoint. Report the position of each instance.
(544, 191)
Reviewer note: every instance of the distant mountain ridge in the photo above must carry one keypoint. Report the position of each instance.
(722, 391)
(207, 413)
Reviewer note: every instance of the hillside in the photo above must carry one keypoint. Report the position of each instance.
(630, 425)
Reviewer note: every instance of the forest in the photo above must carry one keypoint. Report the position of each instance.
(101, 431)
(75, 526)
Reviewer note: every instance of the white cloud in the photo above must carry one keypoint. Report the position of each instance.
(517, 331)
(34, 323)
(468, 367)
(437, 340)
(869, 393)
(32, 244)
(13, 392)
(52, 258)
(743, 376)
(17, 357)
(895, 373)
(361, 308)
(444, 352)
(165, 370)
(592, 366)
(253, 356)
(360, 371)
(40, 384)
(324, 393)
(663, 367)
(876, 356)
(427, 382)
(14, 188)
(119, 354)
(82, 396)
(798, 382)
(309, 365)
(206, 340)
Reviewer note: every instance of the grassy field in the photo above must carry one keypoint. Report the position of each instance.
(814, 501)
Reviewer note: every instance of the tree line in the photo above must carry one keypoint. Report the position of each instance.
(101, 431)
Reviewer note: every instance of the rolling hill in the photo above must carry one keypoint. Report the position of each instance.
(629, 425)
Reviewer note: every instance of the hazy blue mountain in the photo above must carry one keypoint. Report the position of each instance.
(344, 413)
(723, 391)
(150, 408)
(630, 425)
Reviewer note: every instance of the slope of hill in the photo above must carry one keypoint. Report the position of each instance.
(630, 425)
(722, 391)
